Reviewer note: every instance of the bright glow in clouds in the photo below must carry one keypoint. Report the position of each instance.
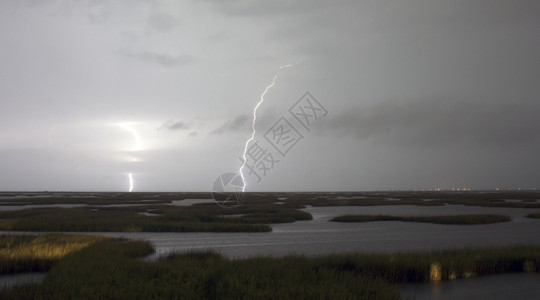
(253, 130)
(135, 134)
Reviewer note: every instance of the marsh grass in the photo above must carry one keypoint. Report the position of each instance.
(449, 220)
(88, 198)
(26, 253)
(163, 218)
(151, 214)
(450, 264)
(518, 199)
(110, 269)
(113, 220)
(534, 215)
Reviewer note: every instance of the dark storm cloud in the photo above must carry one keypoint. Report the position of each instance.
(239, 123)
(163, 59)
(443, 122)
(412, 87)
(174, 125)
(265, 119)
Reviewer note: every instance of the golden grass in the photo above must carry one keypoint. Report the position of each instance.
(23, 253)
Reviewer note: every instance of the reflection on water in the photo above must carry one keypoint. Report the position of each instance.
(501, 286)
(188, 202)
(17, 279)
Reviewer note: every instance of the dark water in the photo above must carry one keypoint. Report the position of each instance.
(502, 286)
(322, 237)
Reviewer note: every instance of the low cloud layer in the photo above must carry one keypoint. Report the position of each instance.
(240, 123)
(442, 123)
(174, 125)
(162, 59)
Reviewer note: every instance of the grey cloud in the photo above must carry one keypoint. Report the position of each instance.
(265, 119)
(413, 89)
(442, 123)
(163, 59)
(166, 60)
(174, 125)
(217, 36)
(239, 123)
(162, 22)
(267, 8)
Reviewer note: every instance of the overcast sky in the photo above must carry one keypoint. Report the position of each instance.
(418, 94)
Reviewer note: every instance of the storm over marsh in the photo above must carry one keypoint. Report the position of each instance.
(209, 133)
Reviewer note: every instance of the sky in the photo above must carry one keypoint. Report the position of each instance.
(369, 94)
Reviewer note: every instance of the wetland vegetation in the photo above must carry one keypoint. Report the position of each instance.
(31, 253)
(449, 220)
(112, 268)
(518, 199)
(155, 212)
(151, 218)
(84, 266)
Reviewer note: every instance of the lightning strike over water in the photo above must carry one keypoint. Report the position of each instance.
(138, 147)
(253, 130)
(130, 177)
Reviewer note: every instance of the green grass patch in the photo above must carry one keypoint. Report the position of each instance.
(30, 253)
(111, 269)
(455, 220)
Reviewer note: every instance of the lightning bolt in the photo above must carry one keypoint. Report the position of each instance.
(138, 147)
(253, 130)
(130, 176)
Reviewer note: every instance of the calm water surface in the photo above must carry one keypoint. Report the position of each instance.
(322, 237)
(7, 281)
